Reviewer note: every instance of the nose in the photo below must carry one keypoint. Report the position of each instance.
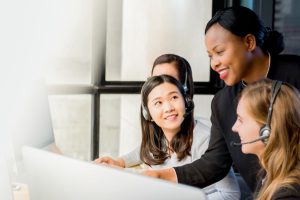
(234, 127)
(168, 107)
(214, 62)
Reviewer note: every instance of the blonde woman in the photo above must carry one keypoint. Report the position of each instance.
(268, 123)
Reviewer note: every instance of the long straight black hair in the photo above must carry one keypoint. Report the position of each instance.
(154, 147)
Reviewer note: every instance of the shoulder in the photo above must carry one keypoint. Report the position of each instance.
(201, 138)
(202, 128)
(286, 68)
(291, 193)
(287, 63)
(286, 60)
(225, 101)
(228, 93)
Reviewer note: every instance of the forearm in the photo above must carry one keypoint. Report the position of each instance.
(168, 174)
(214, 164)
(132, 158)
(210, 168)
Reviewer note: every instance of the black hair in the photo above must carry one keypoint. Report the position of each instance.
(154, 146)
(241, 21)
(183, 68)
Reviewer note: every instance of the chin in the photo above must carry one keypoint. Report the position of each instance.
(245, 150)
(229, 82)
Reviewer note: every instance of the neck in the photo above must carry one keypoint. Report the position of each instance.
(259, 69)
(169, 134)
(260, 152)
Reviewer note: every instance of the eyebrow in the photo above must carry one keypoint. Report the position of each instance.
(213, 49)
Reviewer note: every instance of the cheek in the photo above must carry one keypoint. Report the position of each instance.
(154, 114)
(240, 63)
(181, 106)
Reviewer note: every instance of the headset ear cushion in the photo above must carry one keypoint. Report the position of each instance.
(189, 104)
(265, 131)
(145, 114)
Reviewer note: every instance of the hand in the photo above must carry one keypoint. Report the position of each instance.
(166, 174)
(109, 161)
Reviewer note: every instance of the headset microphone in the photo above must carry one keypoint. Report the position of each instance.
(234, 144)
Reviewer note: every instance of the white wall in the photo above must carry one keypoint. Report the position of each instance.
(152, 28)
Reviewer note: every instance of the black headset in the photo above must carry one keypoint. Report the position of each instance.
(189, 103)
(265, 130)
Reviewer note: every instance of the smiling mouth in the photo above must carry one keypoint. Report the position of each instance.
(221, 69)
(223, 73)
(171, 117)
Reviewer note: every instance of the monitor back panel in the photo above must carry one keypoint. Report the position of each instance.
(55, 177)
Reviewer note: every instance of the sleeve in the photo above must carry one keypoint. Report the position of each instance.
(132, 158)
(285, 193)
(213, 165)
(201, 139)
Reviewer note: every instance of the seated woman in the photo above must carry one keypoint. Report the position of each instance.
(268, 123)
(170, 135)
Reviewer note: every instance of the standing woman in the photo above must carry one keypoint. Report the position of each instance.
(271, 109)
(242, 50)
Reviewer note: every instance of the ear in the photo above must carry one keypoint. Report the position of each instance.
(250, 42)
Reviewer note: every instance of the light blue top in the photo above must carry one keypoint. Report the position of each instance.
(227, 188)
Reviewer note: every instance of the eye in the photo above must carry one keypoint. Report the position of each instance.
(239, 119)
(174, 97)
(220, 52)
(157, 103)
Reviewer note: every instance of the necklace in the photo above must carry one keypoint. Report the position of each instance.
(269, 64)
(244, 84)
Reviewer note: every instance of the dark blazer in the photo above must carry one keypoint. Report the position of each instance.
(218, 158)
(287, 193)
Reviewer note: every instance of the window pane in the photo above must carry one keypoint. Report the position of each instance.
(287, 21)
(71, 117)
(119, 124)
(138, 31)
(66, 28)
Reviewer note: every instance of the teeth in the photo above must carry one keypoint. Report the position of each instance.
(222, 72)
(171, 116)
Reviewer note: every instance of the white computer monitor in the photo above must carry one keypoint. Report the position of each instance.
(29, 124)
(5, 183)
(53, 176)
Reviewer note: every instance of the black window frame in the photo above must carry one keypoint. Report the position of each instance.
(100, 86)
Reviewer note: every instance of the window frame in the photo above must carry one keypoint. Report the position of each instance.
(100, 86)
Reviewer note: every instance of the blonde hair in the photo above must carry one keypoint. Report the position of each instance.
(281, 157)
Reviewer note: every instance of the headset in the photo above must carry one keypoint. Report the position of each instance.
(145, 113)
(265, 130)
(189, 102)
